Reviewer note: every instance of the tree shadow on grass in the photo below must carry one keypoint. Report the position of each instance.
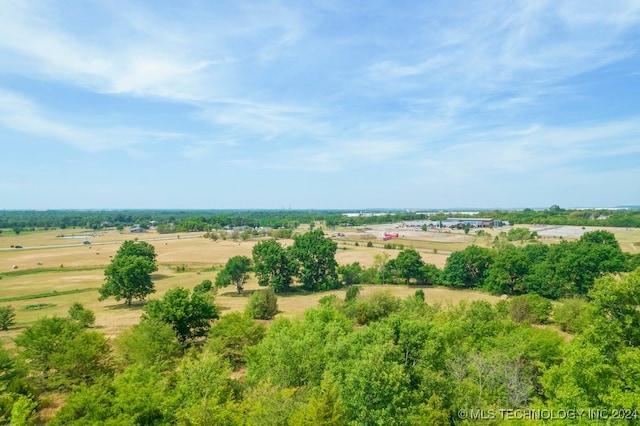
(124, 307)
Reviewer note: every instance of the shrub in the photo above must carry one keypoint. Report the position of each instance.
(572, 315)
(352, 293)
(204, 287)
(379, 305)
(262, 305)
(7, 317)
(84, 317)
(531, 308)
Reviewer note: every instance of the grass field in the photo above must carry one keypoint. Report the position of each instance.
(49, 274)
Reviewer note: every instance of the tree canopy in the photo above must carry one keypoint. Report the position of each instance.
(128, 276)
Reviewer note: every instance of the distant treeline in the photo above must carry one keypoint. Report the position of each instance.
(205, 220)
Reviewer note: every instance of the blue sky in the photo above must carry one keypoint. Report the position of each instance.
(319, 104)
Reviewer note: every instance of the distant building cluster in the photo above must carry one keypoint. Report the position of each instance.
(456, 222)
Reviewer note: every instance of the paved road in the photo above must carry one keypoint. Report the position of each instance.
(99, 243)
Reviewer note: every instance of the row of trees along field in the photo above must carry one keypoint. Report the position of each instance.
(357, 360)
(206, 220)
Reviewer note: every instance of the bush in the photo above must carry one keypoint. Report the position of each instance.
(352, 293)
(262, 305)
(572, 315)
(7, 317)
(84, 317)
(531, 308)
(204, 287)
(379, 305)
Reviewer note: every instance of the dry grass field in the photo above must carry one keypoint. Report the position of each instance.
(48, 264)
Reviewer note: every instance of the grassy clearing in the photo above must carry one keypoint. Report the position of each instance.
(185, 262)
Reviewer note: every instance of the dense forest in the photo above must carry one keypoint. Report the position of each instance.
(206, 220)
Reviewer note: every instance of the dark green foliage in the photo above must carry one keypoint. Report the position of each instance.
(128, 276)
(231, 335)
(262, 305)
(190, 316)
(204, 287)
(235, 271)
(272, 265)
(315, 256)
(352, 293)
(351, 274)
(7, 317)
(530, 308)
(419, 294)
(467, 268)
(408, 265)
(84, 317)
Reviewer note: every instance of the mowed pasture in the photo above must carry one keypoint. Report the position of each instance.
(52, 273)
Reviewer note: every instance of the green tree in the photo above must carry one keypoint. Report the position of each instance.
(137, 248)
(62, 353)
(350, 273)
(151, 343)
(262, 305)
(272, 265)
(408, 265)
(506, 273)
(315, 255)
(7, 317)
(468, 267)
(84, 317)
(128, 276)
(235, 271)
(381, 264)
(204, 287)
(189, 315)
(232, 334)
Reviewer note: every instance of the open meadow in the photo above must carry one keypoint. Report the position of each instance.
(49, 273)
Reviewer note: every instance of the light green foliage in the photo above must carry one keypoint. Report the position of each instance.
(530, 308)
(375, 307)
(614, 307)
(262, 305)
(572, 314)
(324, 407)
(267, 405)
(128, 276)
(7, 317)
(61, 353)
(190, 316)
(235, 271)
(202, 389)
(295, 353)
(272, 265)
(23, 411)
(519, 234)
(151, 343)
(315, 256)
(352, 293)
(140, 397)
(84, 317)
(231, 335)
